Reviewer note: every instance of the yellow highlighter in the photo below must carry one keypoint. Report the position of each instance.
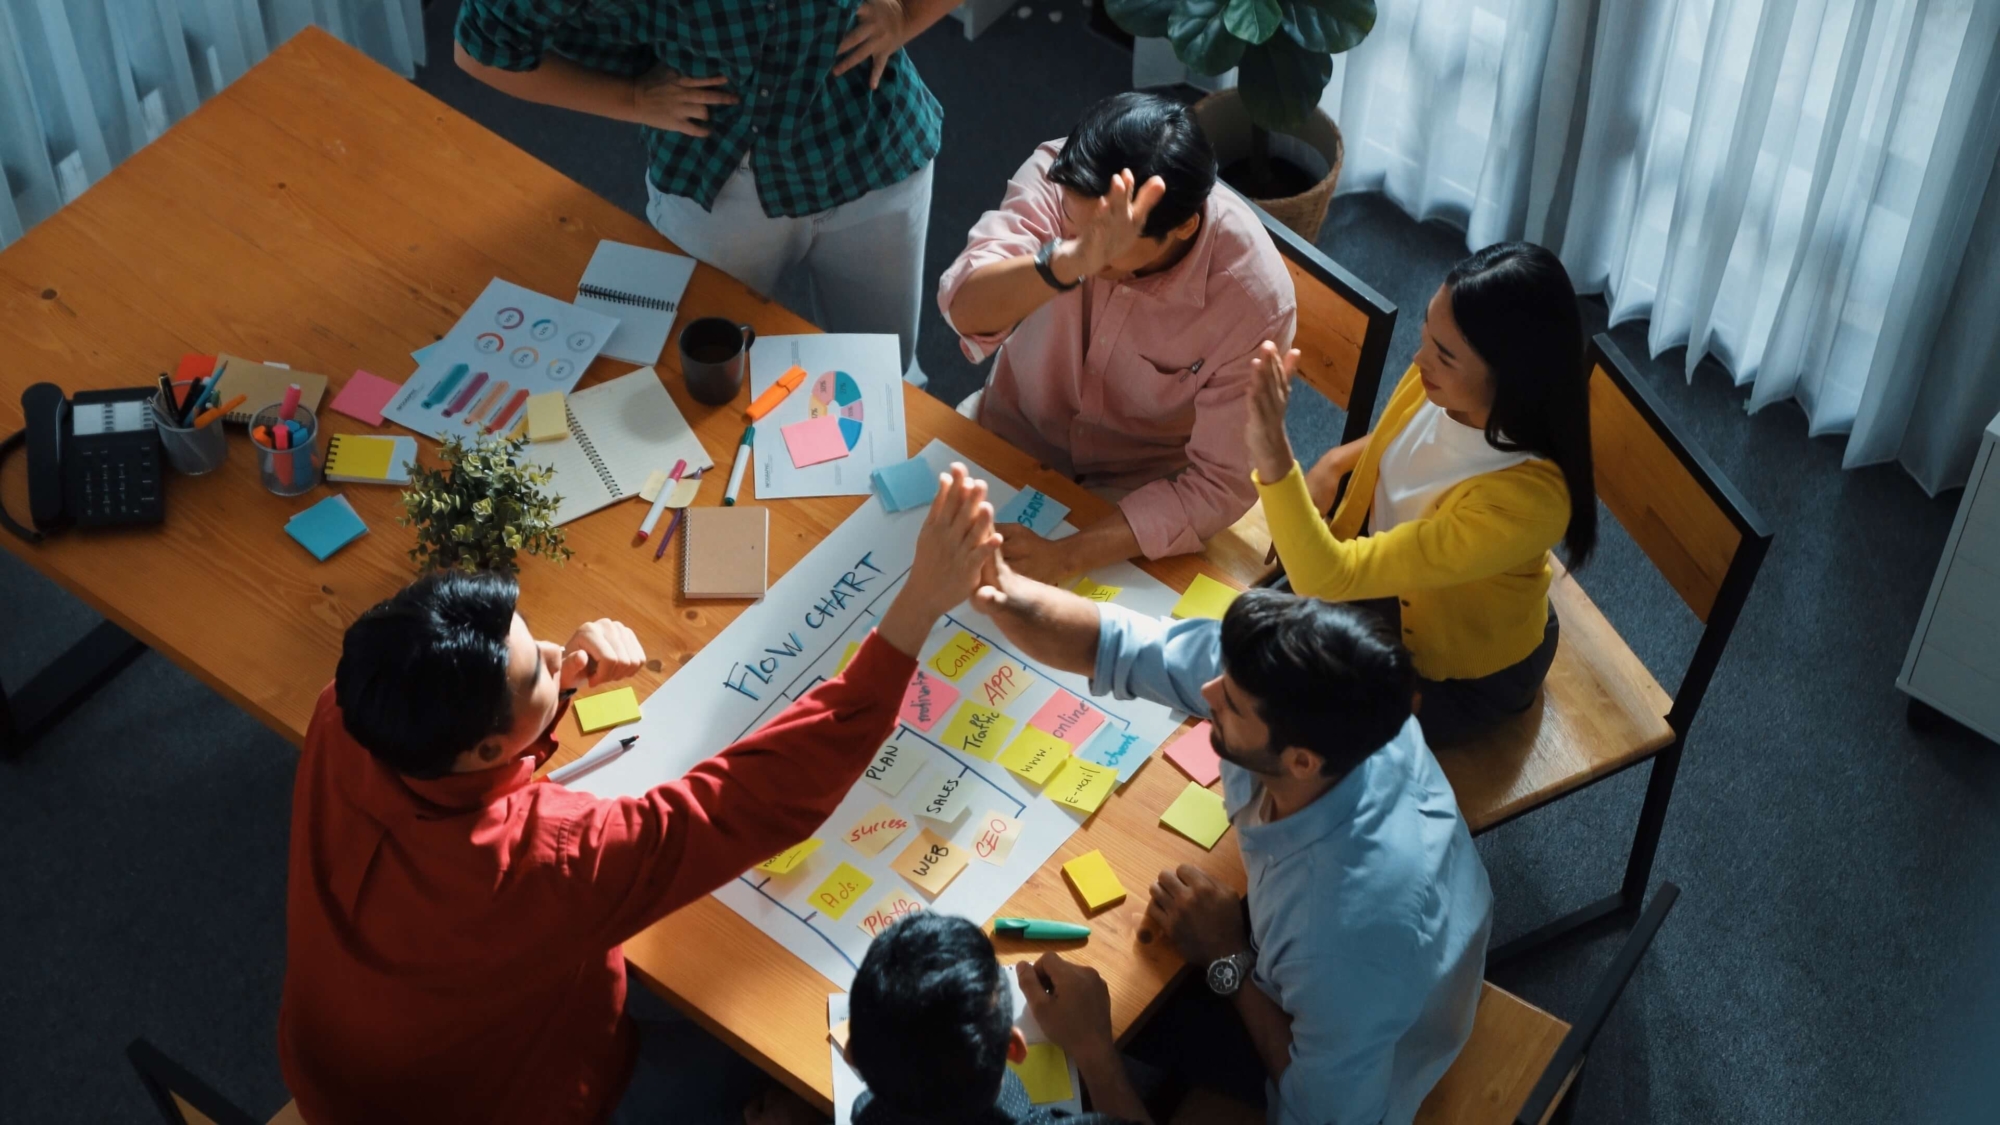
(775, 393)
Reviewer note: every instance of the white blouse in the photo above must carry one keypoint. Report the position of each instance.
(1432, 454)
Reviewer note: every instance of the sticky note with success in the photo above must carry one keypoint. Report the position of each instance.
(931, 862)
(894, 765)
(892, 907)
(979, 731)
(787, 861)
(1082, 785)
(608, 709)
(842, 889)
(958, 655)
(1003, 684)
(1199, 814)
(1068, 718)
(926, 700)
(1034, 755)
(1044, 1074)
(1205, 597)
(994, 836)
(1091, 875)
(877, 829)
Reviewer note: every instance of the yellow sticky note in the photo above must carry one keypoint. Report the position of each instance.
(1091, 875)
(520, 429)
(785, 862)
(655, 481)
(1096, 591)
(1034, 755)
(1045, 1073)
(548, 417)
(958, 655)
(840, 892)
(1003, 685)
(931, 862)
(876, 830)
(607, 709)
(979, 731)
(1082, 785)
(892, 908)
(684, 492)
(1198, 813)
(852, 648)
(1205, 597)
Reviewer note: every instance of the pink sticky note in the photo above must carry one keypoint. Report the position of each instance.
(1195, 755)
(814, 441)
(1068, 718)
(364, 396)
(927, 700)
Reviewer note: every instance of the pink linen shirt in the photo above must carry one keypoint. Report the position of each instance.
(1140, 384)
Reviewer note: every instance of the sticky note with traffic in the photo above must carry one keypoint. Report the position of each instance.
(1119, 749)
(931, 862)
(877, 829)
(1044, 1074)
(979, 731)
(926, 700)
(1002, 684)
(1094, 590)
(911, 484)
(1199, 814)
(548, 417)
(608, 709)
(890, 909)
(852, 648)
(1194, 753)
(1082, 785)
(1091, 875)
(994, 836)
(1034, 755)
(1068, 718)
(894, 765)
(946, 803)
(787, 861)
(958, 655)
(840, 892)
(1205, 597)
(1032, 510)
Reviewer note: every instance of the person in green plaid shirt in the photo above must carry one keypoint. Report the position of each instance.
(780, 134)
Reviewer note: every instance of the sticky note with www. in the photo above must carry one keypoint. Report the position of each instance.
(1199, 814)
(785, 862)
(1091, 875)
(958, 655)
(1068, 718)
(891, 908)
(1205, 597)
(894, 765)
(1003, 684)
(608, 709)
(877, 829)
(842, 889)
(931, 862)
(979, 731)
(994, 836)
(1044, 1074)
(926, 700)
(1082, 785)
(1034, 755)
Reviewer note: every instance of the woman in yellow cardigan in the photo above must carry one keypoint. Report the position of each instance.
(1479, 465)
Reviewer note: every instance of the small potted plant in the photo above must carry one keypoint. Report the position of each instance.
(482, 509)
(1282, 51)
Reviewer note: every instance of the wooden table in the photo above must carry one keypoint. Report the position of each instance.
(325, 213)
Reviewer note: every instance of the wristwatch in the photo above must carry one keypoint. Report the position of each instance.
(1042, 257)
(1227, 974)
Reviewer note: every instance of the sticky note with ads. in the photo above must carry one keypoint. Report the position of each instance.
(1032, 510)
(1082, 785)
(894, 765)
(1003, 684)
(1091, 875)
(877, 829)
(607, 709)
(994, 836)
(787, 861)
(1205, 597)
(979, 731)
(1034, 755)
(892, 908)
(842, 889)
(948, 801)
(926, 700)
(1119, 749)
(931, 862)
(1094, 590)
(1194, 753)
(958, 655)
(1044, 1074)
(1068, 718)
(1199, 814)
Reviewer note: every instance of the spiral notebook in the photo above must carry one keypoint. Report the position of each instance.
(642, 288)
(619, 432)
(725, 552)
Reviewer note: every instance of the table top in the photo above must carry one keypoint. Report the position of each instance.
(324, 213)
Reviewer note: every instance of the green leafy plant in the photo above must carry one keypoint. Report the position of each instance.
(1283, 49)
(482, 508)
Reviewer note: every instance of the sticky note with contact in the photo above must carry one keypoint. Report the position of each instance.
(1119, 749)
(1034, 755)
(894, 765)
(931, 862)
(1002, 684)
(1194, 753)
(1082, 785)
(1199, 814)
(958, 655)
(1096, 591)
(842, 889)
(994, 836)
(1091, 875)
(1044, 1074)
(1205, 597)
(548, 417)
(979, 731)
(877, 829)
(926, 700)
(608, 709)
(787, 861)
(1068, 718)
(887, 911)
(852, 648)
(948, 801)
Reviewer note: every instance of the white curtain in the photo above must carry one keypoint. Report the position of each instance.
(85, 83)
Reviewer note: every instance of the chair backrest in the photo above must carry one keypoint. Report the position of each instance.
(184, 1099)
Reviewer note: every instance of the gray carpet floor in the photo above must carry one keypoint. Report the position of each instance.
(1831, 957)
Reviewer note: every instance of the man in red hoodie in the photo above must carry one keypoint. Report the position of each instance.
(453, 925)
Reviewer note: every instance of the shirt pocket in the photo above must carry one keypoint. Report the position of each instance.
(1146, 397)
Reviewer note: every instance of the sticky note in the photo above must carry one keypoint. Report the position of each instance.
(608, 709)
(852, 648)
(1032, 510)
(842, 889)
(1045, 1074)
(1194, 753)
(1091, 875)
(947, 802)
(1119, 749)
(958, 655)
(1082, 785)
(1068, 718)
(1034, 755)
(894, 765)
(877, 829)
(684, 492)
(926, 700)
(1094, 590)
(890, 909)
(1199, 814)
(1003, 684)
(326, 527)
(910, 484)
(994, 836)
(655, 481)
(931, 862)
(548, 417)
(979, 731)
(785, 862)
(815, 441)
(363, 396)
(1205, 597)
(838, 1033)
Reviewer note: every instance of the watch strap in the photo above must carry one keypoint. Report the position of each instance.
(1042, 256)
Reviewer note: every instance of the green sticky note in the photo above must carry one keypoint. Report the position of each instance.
(1205, 597)
(607, 710)
(1198, 814)
(1045, 1073)
(1034, 755)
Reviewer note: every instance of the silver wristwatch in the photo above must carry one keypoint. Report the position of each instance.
(1227, 974)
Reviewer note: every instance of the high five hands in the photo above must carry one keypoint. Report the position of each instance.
(1111, 225)
(1264, 425)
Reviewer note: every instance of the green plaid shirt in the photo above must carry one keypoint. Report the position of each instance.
(814, 141)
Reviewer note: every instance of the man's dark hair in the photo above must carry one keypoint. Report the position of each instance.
(1151, 135)
(1328, 677)
(423, 676)
(928, 1018)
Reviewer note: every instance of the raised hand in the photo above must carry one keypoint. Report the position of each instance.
(677, 103)
(1264, 425)
(1111, 227)
(955, 548)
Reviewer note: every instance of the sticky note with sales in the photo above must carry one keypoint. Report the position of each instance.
(1003, 684)
(1118, 749)
(1034, 755)
(877, 829)
(958, 655)
(1199, 814)
(787, 861)
(1091, 875)
(926, 700)
(1032, 510)
(979, 731)
(1068, 718)
(894, 765)
(608, 709)
(994, 836)
(1194, 753)
(1205, 597)
(1082, 785)
(840, 892)
(887, 911)
(1044, 1074)
(946, 803)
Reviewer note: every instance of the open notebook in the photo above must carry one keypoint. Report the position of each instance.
(642, 288)
(619, 432)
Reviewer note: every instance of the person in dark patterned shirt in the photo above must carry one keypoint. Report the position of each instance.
(779, 136)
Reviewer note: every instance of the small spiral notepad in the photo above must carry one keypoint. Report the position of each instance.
(619, 432)
(643, 289)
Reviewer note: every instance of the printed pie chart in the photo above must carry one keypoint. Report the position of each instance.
(836, 393)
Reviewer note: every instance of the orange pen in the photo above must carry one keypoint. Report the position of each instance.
(214, 412)
(775, 393)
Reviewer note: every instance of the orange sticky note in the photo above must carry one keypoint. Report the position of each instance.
(840, 892)
(931, 862)
(1082, 785)
(788, 860)
(994, 836)
(608, 709)
(958, 655)
(1003, 684)
(1091, 875)
(1034, 755)
(876, 830)
(892, 907)
(1199, 814)
(979, 731)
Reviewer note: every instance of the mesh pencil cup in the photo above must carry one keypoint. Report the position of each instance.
(287, 472)
(190, 450)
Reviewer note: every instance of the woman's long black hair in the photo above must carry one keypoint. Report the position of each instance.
(1515, 305)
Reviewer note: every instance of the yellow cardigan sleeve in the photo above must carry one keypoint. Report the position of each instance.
(1490, 524)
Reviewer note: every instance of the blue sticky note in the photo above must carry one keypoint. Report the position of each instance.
(1032, 510)
(1119, 749)
(326, 527)
(908, 485)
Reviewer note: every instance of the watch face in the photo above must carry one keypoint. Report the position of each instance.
(1224, 977)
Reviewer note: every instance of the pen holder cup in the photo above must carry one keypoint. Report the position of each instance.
(287, 472)
(190, 450)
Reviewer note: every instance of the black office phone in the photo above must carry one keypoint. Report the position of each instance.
(93, 460)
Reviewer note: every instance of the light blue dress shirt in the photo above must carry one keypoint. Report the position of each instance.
(1369, 908)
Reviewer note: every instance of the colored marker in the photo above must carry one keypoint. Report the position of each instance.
(445, 386)
(652, 519)
(507, 411)
(465, 396)
(1037, 929)
(281, 438)
(291, 404)
(214, 412)
(671, 526)
(775, 393)
(602, 753)
(736, 470)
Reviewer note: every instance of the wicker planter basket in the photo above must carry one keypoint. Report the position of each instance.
(1314, 145)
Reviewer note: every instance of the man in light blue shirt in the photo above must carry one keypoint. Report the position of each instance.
(1368, 907)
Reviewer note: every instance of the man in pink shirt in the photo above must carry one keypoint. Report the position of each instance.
(1126, 298)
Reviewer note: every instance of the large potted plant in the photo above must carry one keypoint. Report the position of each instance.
(482, 509)
(1282, 51)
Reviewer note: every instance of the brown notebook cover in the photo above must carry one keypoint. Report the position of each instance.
(725, 552)
(264, 386)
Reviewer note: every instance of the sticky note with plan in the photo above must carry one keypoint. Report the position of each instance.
(1068, 718)
(608, 709)
(841, 890)
(931, 862)
(926, 700)
(994, 836)
(1002, 684)
(958, 655)
(877, 829)
(979, 731)
(947, 802)
(894, 765)
(1091, 875)
(1082, 785)
(891, 908)
(1199, 814)
(1034, 755)
(787, 861)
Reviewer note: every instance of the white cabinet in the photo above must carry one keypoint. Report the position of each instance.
(1954, 660)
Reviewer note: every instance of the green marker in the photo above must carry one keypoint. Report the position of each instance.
(742, 462)
(1036, 929)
